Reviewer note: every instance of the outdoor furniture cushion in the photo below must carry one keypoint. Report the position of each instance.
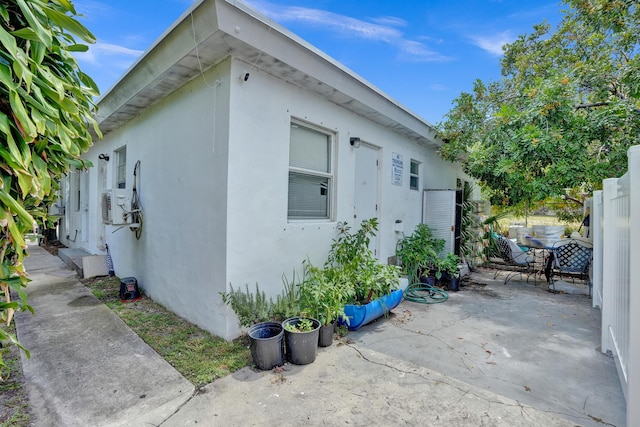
(514, 256)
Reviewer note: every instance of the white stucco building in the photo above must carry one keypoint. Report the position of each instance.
(252, 145)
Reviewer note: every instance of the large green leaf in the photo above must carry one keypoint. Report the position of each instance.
(30, 11)
(26, 33)
(69, 24)
(78, 48)
(21, 114)
(37, 51)
(39, 101)
(22, 70)
(5, 127)
(4, 13)
(8, 41)
(16, 233)
(15, 207)
(6, 77)
(43, 173)
(66, 4)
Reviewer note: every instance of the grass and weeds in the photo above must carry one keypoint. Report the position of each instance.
(198, 355)
(14, 402)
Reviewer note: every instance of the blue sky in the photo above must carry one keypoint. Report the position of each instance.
(421, 53)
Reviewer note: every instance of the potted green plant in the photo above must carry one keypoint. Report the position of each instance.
(323, 294)
(419, 254)
(263, 319)
(448, 266)
(265, 336)
(301, 339)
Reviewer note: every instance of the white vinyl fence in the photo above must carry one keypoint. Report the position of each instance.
(616, 276)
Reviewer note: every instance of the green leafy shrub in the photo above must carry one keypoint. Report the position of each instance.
(419, 252)
(351, 258)
(249, 307)
(253, 307)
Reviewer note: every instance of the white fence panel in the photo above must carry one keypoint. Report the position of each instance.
(596, 233)
(621, 279)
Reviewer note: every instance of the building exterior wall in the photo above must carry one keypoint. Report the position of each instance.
(262, 243)
(181, 144)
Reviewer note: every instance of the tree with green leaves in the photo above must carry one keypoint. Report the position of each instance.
(563, 115)
(46, 109)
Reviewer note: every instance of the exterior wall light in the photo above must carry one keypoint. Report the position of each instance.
(354, 141)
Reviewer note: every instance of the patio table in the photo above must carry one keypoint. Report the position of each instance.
(540, 251)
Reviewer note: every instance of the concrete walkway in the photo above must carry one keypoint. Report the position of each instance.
(87, 368)
(478, 359)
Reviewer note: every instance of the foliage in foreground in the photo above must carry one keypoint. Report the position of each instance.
(199, 356)
(14, 402)
(46, 107)
(563, 116)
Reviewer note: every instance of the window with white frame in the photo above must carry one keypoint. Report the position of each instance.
(310, 173)
(121, 167)
(414, 175)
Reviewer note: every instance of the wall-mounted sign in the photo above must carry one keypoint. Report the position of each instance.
(396, 169)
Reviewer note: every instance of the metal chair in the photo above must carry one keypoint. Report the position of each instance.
(514, 256)
(569, 256)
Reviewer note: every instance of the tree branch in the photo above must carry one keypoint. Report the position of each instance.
(578, 201)
(595, 104)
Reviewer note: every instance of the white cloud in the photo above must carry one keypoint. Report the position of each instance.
(390, 21)
(493, 43)
(106, 53)
(382, 29)
(438, 87)
(418, 52)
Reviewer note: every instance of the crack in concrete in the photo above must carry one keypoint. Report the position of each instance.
(462, 390)
(198, 390)
(466, 392)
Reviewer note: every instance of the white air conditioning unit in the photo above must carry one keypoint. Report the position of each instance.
(115, 207)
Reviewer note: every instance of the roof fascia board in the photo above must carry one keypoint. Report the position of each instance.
(195, 26)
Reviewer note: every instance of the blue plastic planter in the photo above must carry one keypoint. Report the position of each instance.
(359, 315)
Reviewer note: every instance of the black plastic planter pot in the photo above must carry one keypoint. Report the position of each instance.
(302, 347)
(454, 284)
(266, 345)
(326, 335)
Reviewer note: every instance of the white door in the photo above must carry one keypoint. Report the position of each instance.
(366, 187)
(439, 213)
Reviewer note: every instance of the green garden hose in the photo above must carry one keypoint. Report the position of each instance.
(425, 294)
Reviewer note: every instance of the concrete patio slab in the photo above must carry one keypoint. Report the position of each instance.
(517, 340)
(353, 386)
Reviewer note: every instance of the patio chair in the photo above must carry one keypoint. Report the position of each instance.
(569, 256)
(514, 257)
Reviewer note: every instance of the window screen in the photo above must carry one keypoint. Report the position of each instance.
(310, 178)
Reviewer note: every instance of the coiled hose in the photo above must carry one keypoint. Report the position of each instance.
(136, 209)
(425, 294)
